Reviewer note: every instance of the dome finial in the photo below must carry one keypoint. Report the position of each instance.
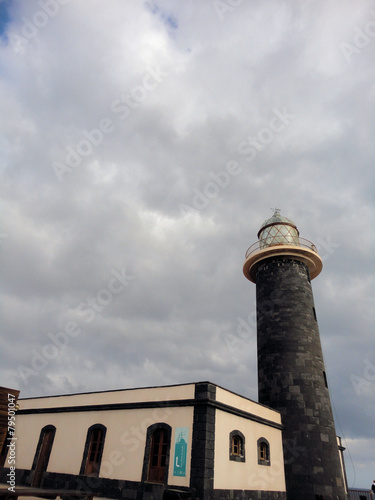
(276, 211)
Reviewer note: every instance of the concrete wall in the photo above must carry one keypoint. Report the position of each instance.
(247, 475)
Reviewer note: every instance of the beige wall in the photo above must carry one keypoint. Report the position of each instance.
(247, 475)
(167, 393)
(247, 405)
(124, 443)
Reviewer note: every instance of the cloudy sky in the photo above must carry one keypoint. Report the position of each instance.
(143, 143)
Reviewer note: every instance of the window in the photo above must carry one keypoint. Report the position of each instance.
(43, 451)
(314, 313)
(157, 451)
(92, 455)
(237, 446)
(263, 452)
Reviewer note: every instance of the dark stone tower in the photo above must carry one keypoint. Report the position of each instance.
(291, 372)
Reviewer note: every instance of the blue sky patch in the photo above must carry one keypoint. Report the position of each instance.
(4, 16)
(167, 18)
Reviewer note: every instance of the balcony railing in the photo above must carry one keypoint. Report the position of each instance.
(260, 245)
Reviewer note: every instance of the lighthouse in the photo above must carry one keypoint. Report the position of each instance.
(291, 373)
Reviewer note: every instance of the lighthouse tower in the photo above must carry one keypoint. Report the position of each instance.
(291, 372)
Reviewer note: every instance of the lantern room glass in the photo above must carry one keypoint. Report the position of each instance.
(278, 230)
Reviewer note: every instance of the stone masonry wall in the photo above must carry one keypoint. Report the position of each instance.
(292, 380)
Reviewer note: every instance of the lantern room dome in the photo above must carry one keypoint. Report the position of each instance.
(278, 230)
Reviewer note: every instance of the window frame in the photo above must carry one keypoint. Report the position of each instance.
(87, 450)
(239, 456)
(264, 461)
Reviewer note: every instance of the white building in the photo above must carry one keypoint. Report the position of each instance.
(199, 439)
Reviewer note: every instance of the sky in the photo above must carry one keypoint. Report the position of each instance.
(142, 146)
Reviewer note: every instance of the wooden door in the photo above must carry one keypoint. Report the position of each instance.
(43, 456)
(158, 456)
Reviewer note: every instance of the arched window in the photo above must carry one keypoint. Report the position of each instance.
(263, 452)
(157, 451)
(42, 454)
(237, 446)
(92, 455)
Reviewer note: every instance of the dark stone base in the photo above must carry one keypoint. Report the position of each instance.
(247, 495)
(131, 490)
(109, 488)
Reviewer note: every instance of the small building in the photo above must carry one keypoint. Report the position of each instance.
(182, 440)
(360, 494)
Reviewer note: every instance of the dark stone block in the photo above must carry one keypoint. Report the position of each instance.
(204, 391)
(203, 442)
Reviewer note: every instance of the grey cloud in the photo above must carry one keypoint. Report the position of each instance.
(217, 85)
